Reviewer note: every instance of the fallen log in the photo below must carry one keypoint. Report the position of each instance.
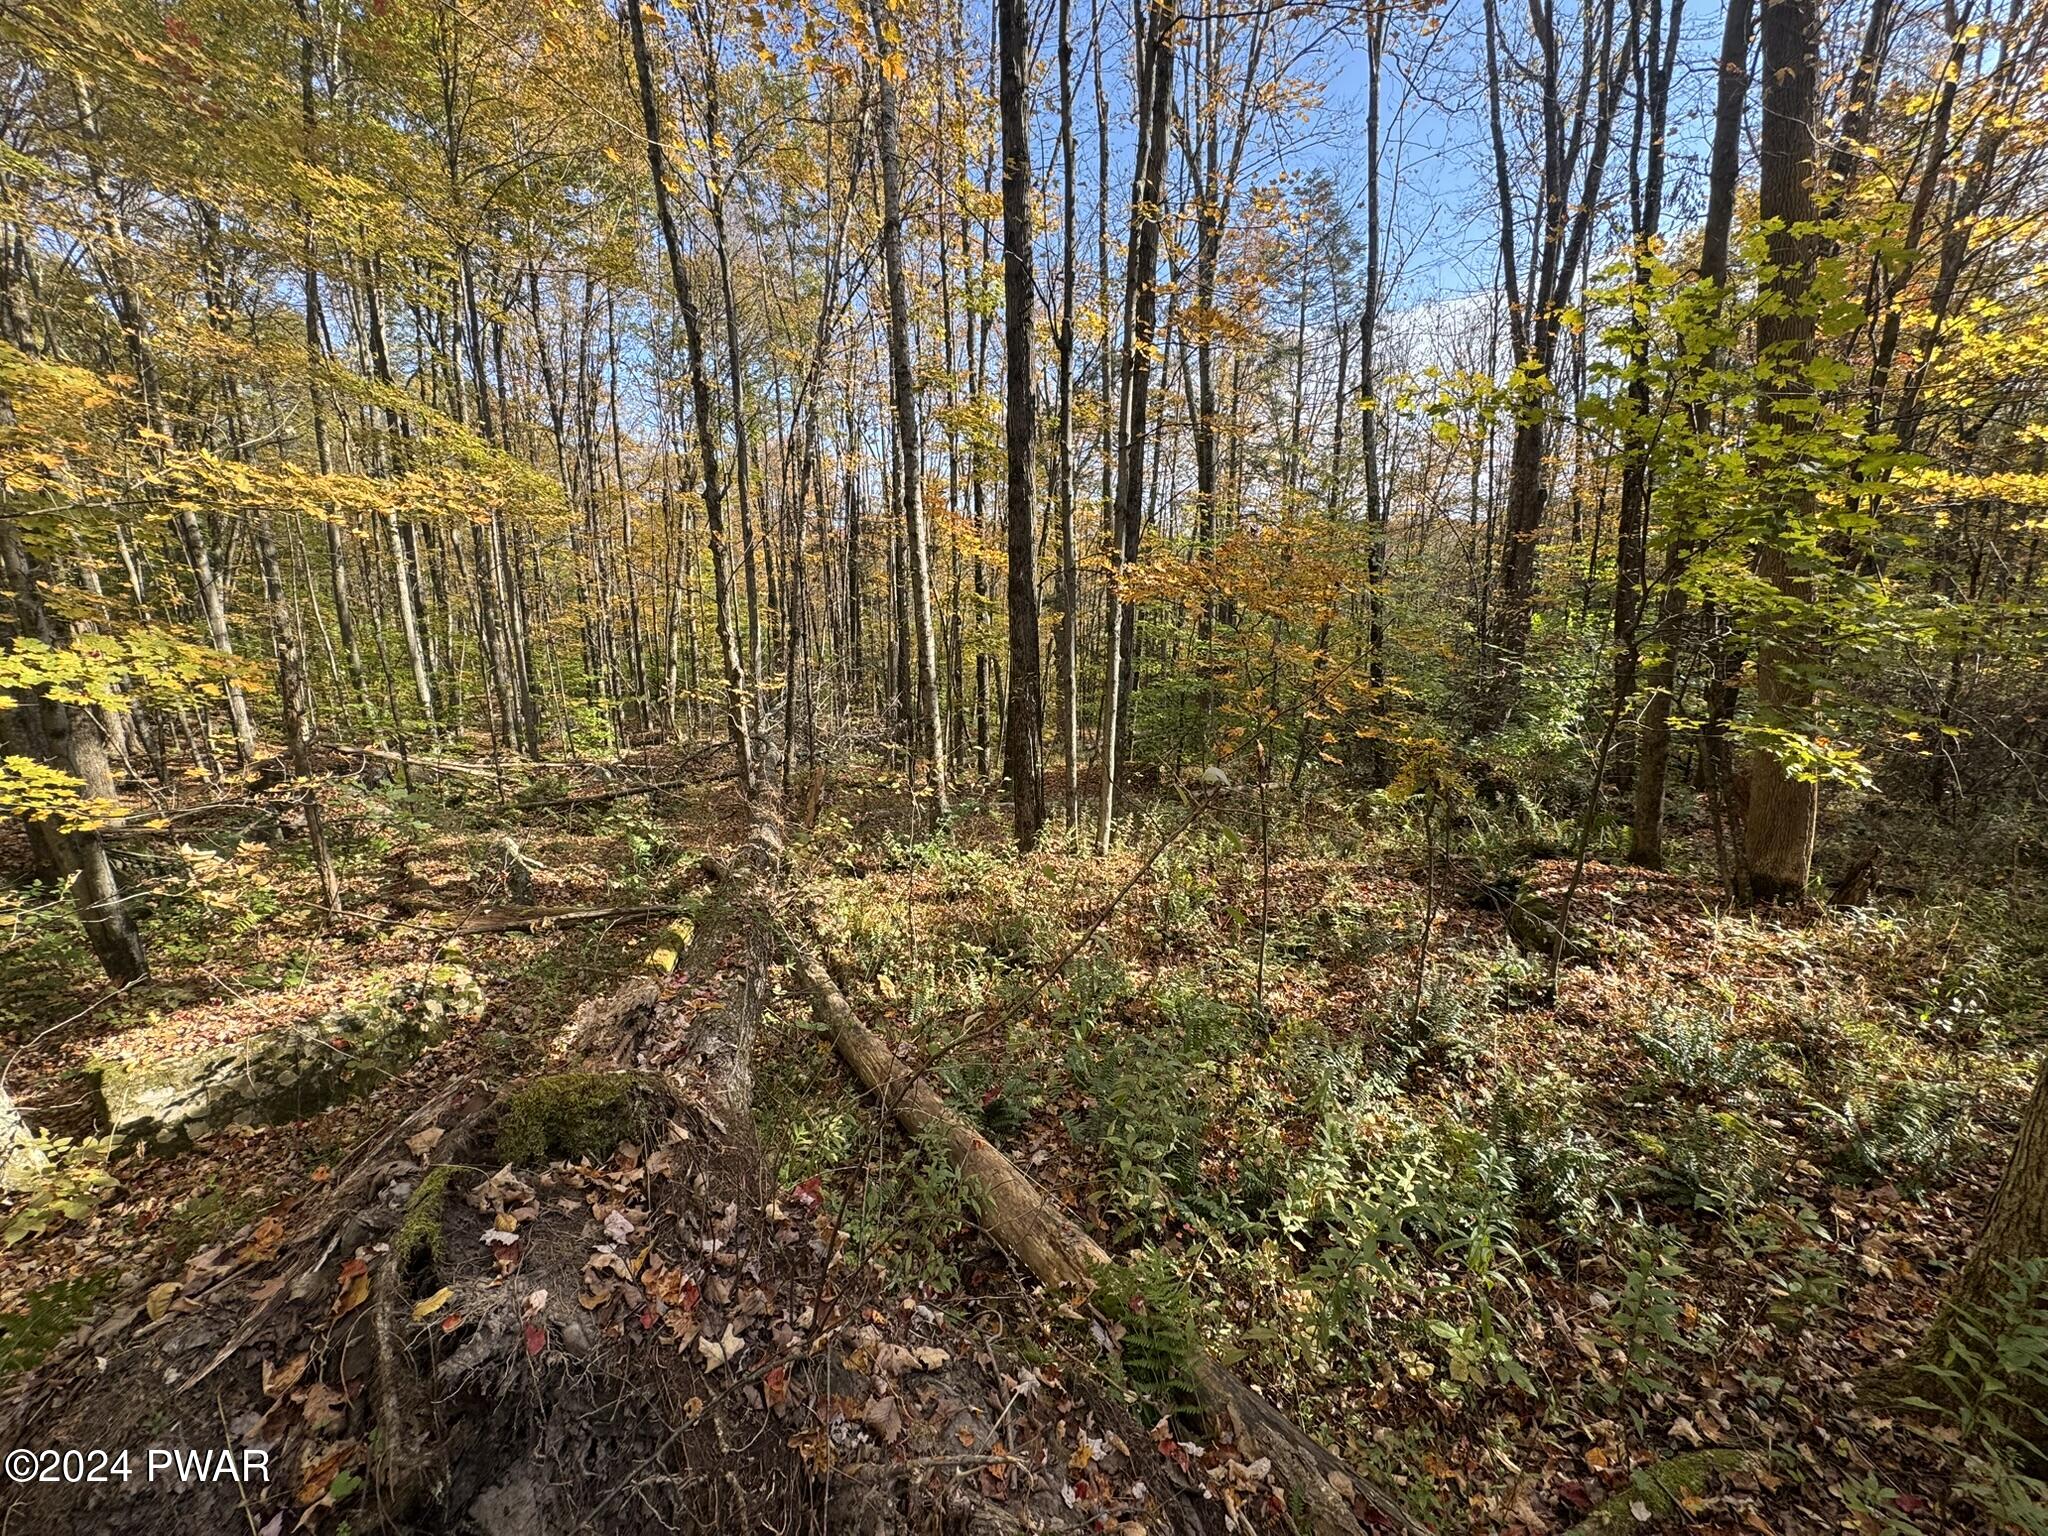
(1019, 1216)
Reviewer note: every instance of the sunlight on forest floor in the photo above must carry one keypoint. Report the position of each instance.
(1507, 1250)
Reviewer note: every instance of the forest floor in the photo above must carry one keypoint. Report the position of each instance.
(1613, 1257)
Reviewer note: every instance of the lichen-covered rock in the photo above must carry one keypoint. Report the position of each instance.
(22, 1161)
(287, 1073)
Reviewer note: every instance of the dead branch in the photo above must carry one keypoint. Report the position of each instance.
(555, 917)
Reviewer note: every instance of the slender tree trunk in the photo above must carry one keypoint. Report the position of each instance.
(910, 471)
(1070, 563)
(741, 458)
(1656, 60)
(1653, 734)
(736, 710)
(1368, 403)
(1141, 303)
(71, 742)
(291, 692)
(1024, 725)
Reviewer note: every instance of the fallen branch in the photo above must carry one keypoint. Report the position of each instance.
(555, 917)
(584, 797)
(1055, 1249)
(429, 764)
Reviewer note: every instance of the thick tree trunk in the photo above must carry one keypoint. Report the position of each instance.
(2017, 1228)
(1779, 832)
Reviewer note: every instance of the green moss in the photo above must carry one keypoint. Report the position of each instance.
(573, 1115)
(419, 1232)
(47, 1315)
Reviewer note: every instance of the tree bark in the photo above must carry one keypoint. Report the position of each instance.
(1779, 830)
(109, 929)
(930, 715)
(1024, 725)
(1653, 734)
(1141, 306)
(2017, 1228)
(1070, 561)
(737, 715)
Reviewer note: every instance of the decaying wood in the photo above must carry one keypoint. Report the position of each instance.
(404, 1458)
(1028, 1226)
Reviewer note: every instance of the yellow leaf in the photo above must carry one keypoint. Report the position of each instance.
(422, 1310)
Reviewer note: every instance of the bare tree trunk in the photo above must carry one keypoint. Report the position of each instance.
(910, 472)
(736, 708)
(1070, 562)
(1653, 734)
(741, 458)
(1655, 61)
(1565, 214)
(407, 576)
(1024, 725)
(1368, 391)
(1141, 304)
(1779, 831)
(2016, 1230)
(109, 930)
(125, 293)
(291, 692)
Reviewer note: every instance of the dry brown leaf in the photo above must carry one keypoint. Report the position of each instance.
(281, 1379)
(425, 1141)
(354, 1289)
(160, 1299)
(722, 1351)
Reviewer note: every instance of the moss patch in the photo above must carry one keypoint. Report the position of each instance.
(47, 1315)
(574, 1115)
(419, 1232)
